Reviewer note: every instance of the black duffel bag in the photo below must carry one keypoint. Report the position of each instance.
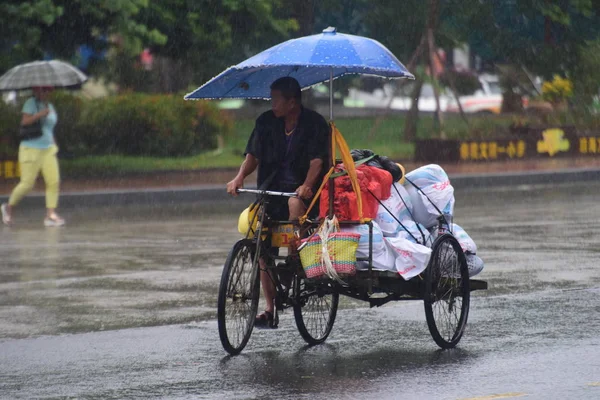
(377, 161)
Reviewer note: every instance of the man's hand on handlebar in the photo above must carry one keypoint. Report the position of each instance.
(234, 185)
(304, 192)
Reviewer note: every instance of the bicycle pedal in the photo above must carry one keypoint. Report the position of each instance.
(274, 324)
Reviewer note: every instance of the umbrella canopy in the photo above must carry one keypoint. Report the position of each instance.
(41, 73)
(310, 60)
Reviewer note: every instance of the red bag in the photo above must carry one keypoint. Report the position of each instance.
(373, 179)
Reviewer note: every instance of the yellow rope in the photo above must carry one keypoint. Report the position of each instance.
(338, 141)
(303, 218)
(349, 164)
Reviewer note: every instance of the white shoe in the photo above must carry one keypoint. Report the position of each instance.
(6, 218)
(54, 220)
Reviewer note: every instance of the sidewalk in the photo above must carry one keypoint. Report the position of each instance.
(209, 185)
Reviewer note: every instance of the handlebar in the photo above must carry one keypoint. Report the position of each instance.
(267, 192)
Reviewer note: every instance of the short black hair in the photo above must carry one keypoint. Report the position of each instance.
(289, 88)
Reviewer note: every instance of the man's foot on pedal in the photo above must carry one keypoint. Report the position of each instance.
(266, 320)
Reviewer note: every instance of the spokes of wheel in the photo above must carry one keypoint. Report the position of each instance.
(315, 311)
(447, 292)
(316, 314)
(238, 300)
(238, 297)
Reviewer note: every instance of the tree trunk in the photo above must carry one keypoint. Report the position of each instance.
(455, 94)
(431, 25)
(410, 125)
(411, 64)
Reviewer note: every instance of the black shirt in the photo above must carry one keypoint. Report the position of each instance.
(309, 141)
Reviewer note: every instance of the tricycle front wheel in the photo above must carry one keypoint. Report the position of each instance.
(238, 297)
(447, 293)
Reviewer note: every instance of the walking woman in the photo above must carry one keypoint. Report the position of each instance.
(37, 155)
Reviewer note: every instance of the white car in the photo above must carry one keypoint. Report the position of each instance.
(486, 100)
(381, 98)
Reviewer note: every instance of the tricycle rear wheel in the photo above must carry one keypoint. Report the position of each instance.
(238, 297)
(315, 309)
(447, 293)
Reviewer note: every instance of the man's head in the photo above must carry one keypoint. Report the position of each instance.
(286, 95)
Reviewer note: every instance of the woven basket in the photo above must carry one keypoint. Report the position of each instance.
(342, 250)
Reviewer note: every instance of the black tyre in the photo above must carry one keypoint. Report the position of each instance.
(315, 309)
(238, 297)
(447, 293)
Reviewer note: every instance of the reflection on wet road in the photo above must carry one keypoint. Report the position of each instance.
(534, 334)
(102, 273)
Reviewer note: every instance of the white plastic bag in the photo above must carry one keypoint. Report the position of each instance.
(474, 262)
(410, 258)
(383, 258)
(435, 188)
(363, 231)
(398, 205)
(467, 244)
(415, 231)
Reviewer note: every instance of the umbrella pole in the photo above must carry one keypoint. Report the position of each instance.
(331, 95)
(331, 156)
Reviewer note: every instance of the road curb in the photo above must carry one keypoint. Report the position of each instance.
(471, 181)
(215, 194)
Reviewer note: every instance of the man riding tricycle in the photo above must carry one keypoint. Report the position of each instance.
(327, 221)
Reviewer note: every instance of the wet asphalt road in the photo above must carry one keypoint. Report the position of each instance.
(121, 304)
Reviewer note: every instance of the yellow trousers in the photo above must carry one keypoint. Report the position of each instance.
(31, 161)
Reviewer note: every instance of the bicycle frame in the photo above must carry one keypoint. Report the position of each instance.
(262, 244)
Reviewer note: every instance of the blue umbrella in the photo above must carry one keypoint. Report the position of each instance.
(310, 59)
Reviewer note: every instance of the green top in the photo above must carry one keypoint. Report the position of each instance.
(32, 106)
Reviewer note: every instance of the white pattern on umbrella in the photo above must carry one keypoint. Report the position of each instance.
(42, 73)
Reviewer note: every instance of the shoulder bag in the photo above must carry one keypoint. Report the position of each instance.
(31, 131)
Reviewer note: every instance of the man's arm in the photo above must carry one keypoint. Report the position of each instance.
(248, 166)
(314, 171)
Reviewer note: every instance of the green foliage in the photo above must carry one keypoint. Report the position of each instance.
(586, 75)
(157, 125)
(129, 124)
(66, 131)
(10, 117)
(210, 35)
(93, 21)
(399, 25)
(543, 36)
(21, 25)
(515, 84)
(348, 16)
(28, 29)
